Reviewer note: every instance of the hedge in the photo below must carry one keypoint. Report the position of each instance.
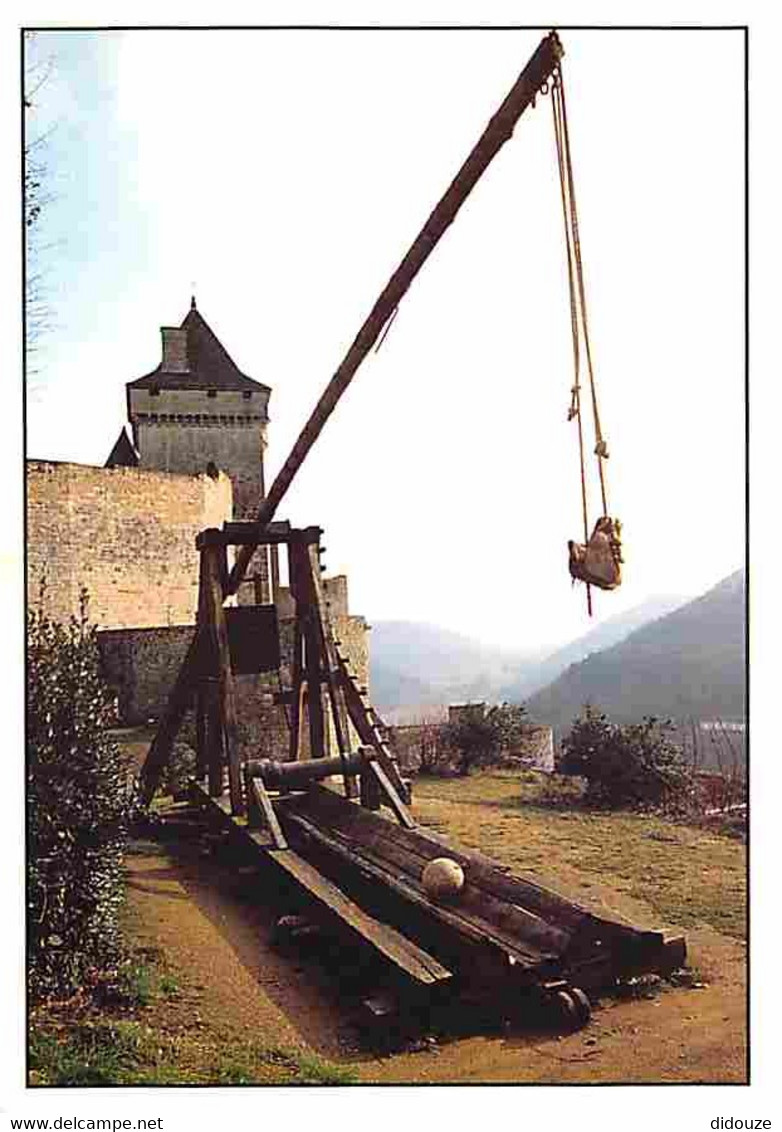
(79, 805)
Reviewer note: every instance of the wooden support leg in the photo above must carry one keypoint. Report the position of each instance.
(297, 688)
(368, 785)
(202, 760)
(329, 661)
(214, 739)
(213, 566)
(314, 690)
(254, 812)
(308, 637)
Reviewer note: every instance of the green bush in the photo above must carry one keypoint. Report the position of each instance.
(79, 804)
(179, 771)
(632, 765)
(481, 739)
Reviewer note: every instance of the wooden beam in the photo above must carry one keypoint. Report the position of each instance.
(250, 534)
(391, 944)
(213, 558)
(395, 881)
(331, 661)
(331, 901)
(312, 668)
(262, 800)
(215, 745)
(369, 786)
(306, 622)
(297, 694)
(202, 759)
(388, 788)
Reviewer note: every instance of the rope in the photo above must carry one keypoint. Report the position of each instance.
(601, 449)
(575, 405)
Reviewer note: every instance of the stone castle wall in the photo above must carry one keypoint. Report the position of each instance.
(127, 535)
(142, 664)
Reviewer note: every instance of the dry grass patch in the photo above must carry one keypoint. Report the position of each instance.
(687, 875)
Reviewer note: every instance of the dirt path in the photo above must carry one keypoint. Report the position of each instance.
(217, 934)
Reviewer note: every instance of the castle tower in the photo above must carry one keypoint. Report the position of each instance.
(197, 412)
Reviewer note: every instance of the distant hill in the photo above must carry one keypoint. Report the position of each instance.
(530, 679)
(392, 688)
(414, 664)
(689, 664)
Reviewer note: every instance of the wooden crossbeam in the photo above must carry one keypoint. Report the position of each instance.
(246, 534)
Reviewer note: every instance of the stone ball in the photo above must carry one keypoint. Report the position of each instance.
(443, 879)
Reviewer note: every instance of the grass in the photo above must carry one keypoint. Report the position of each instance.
(138, 1030)
(689, 876)
(105, 1051)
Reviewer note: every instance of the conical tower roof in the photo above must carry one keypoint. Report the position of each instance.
(123, 454)
(209, 365)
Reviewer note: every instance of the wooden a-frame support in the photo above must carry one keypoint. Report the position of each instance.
(320, 678)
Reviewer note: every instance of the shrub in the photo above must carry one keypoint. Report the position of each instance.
(179, 771)
(79, 804)
(634, 764)
(481, 740)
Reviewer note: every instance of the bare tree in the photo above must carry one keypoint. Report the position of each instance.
(37, 72)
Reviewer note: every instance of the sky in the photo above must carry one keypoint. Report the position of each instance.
(280, 176)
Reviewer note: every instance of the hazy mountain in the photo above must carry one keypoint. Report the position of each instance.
(530, 680)
(416, 664)
(689, 664)
(392, 688)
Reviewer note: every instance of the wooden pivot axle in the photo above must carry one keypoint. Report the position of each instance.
(292, 776)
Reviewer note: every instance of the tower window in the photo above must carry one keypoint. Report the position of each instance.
(247, 394)
(154, 390)
(211, 393)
